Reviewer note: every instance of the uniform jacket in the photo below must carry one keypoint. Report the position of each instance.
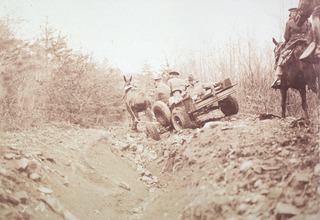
(162, 92)
(195, 90)
(177, 84)
(294, 32)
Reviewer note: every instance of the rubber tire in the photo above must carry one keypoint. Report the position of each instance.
(180, 120)
(229, 106)
(162, 113)
(152, 131)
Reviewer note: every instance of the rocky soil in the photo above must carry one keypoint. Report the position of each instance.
(240, 167)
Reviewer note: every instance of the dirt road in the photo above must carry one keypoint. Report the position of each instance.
(237, 168)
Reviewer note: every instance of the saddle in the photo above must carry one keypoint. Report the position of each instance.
(288, 51)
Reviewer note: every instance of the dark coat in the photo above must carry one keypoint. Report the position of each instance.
(294, 32)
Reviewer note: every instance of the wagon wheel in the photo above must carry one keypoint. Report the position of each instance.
(180, 119)
(152, 131)
(162, 113)
(229, 106)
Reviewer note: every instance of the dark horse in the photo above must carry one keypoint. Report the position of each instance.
(136, 101)
(296, 75)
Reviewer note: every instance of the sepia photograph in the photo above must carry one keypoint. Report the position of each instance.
(159, 109)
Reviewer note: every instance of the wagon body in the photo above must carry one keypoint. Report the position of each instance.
(186, 112)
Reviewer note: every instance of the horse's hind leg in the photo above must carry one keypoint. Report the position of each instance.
(283, 101)
(303, 94)
(310, 75)
(134, 119)
(134, 123)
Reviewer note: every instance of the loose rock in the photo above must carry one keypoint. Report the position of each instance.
(125, 186)
(22, 164)
(3, 171)
(22, 196)
(9, 156)
(288, 209)
(33, 166)
(45, 190)
(35, 176)
(246, 166)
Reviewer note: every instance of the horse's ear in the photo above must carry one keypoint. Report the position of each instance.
(274, 41)
(125, 79)
(130, 79)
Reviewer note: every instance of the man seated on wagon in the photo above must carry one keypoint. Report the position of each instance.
(162, 90)
(177, 87)
(194, 88)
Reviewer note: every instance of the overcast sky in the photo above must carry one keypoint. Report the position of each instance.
(130, 33)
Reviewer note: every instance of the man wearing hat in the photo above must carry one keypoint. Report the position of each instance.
(177, 87)
(175, 83)
(162, 90)
(294, 37)
(195, 89)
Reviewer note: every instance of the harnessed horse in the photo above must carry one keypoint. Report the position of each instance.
(296, 75)
(136, 101)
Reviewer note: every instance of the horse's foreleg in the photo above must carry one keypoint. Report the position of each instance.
(303, 94)
(283, 102)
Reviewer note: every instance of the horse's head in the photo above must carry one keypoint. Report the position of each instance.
(277, 50)
(279, 46)
(127, 83)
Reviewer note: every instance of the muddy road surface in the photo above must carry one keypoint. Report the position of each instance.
(241, 167)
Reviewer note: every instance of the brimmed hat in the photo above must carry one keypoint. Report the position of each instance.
(174, 73)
